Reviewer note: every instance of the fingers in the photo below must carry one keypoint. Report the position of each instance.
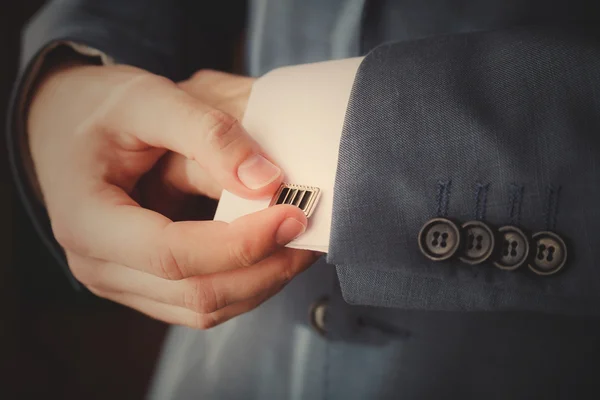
(182, 316)
(203, 294)
(227, 92)
(242, 243)
(162, 115)
(149, 242)
(188, 177)
(211, 293)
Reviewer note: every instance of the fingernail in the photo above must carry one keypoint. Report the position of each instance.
(289, 230)
(257, 172)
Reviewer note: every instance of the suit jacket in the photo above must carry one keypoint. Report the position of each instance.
(476, 112)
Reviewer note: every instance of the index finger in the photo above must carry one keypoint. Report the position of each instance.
(157, 112)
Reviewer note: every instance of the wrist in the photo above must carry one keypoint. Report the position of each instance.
(57, 60)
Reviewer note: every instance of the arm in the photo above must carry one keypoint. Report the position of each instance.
(115, 147)
(507, 120)
(493, 130)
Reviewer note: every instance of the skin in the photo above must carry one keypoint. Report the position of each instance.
(104, 137)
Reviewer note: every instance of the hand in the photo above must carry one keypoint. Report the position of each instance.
(173, 185)
(167, 187)
(94, 132)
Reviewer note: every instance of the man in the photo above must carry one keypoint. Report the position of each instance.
(464, 212)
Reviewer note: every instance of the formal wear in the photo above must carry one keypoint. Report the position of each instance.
(462, 259)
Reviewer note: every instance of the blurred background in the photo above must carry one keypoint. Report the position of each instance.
(54, 342)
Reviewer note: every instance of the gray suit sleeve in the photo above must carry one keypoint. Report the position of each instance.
(499, 127)
(145, 34)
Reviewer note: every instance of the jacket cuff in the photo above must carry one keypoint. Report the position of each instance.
(452, 146)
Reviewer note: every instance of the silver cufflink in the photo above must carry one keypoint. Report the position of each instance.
(303, 197)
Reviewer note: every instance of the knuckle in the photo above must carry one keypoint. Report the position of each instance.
(67, 237)
(242, 254)
(163, 259)
(288, 272)
(203, 74)
(203, 298)
(222, 129)
(166, 264)
(205, 321)
(83, 274)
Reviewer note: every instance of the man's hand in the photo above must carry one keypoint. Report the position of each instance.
(94, 132)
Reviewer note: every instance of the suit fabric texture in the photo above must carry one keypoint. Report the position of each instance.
(470, 94)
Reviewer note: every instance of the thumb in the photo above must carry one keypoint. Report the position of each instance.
(244, 242)
(260, 234)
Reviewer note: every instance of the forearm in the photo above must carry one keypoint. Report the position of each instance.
(498, 127)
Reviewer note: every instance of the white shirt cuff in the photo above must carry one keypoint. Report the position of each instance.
(297, 114)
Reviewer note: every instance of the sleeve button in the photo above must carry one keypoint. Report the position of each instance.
(317, 315)
(479, 242)
(439, 239)
(550, 253)
(514, 248)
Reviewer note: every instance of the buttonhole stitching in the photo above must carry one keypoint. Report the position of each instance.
(481, 191)
(443, 198)
(516, 199)
(551, 209)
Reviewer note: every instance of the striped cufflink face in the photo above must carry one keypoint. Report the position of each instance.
(303, 197)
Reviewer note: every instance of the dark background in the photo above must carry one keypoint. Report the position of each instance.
(53, 342)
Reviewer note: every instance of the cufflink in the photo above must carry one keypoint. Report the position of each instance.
(303, 197)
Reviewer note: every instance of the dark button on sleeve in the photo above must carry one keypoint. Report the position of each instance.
(439, 239)
(550, 253)
(514, 250)
(317, 315)
(479, 242)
